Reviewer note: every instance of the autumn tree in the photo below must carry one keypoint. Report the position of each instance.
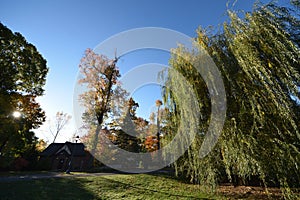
(150, 141)
(156, 128)
(158, 104)
(22, 77)
(99, 75)
(100, 149)
(41, 145)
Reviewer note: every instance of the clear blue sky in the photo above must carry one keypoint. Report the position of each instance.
(62, 29)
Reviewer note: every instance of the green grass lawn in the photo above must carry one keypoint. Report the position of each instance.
(138, 186)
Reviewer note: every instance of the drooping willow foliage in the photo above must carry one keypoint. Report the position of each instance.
(259, 59)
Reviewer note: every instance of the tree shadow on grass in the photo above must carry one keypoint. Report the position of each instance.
(147, 191)
(53, 188)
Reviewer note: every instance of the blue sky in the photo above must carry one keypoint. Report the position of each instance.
(62, 29)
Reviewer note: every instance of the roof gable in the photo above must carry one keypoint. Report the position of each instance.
(76, 149)
(64, 148)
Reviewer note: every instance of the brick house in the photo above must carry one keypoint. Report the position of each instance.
(58, 156)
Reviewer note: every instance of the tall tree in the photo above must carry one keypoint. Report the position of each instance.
(259, 61)
(22, 77)
(99, 75)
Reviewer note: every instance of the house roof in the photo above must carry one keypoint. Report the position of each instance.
(77, 149)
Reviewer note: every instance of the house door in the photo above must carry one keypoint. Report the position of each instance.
(61, 163)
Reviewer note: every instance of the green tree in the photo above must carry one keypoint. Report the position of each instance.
(126, 133)
(22, 77)
(258, 57)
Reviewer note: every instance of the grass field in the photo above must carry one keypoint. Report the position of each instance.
(138, 186)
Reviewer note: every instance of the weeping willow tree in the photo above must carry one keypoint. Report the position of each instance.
(259, 60)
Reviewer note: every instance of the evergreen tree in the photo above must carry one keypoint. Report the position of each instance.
(127, 137)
